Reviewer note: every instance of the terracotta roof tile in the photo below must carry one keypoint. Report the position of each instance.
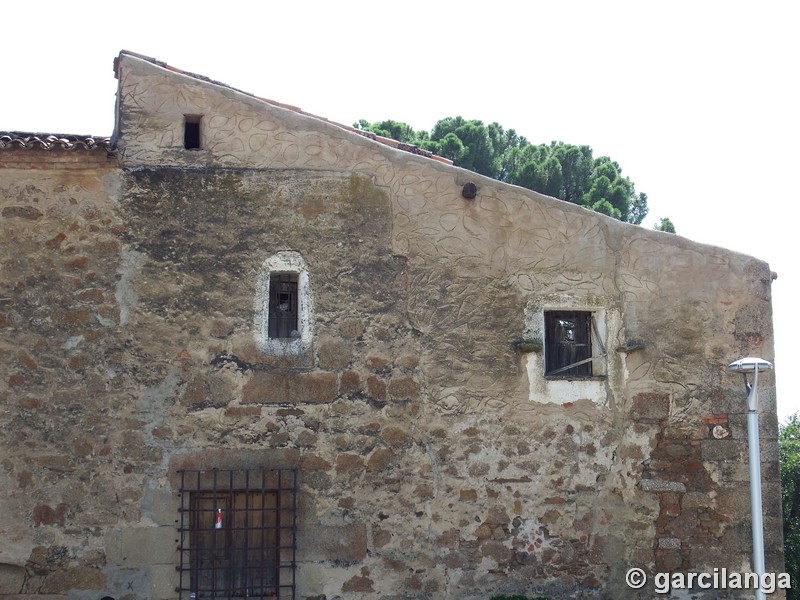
(11, 140)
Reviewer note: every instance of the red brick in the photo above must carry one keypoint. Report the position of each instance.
(717, 419)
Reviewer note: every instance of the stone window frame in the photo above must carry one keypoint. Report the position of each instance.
(562, 389)
(291, 262)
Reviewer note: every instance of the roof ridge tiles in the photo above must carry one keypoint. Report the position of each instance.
(53, 141)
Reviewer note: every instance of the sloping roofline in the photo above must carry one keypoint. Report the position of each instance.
(411, 148)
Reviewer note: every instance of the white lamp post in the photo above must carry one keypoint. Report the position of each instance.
(755, 366)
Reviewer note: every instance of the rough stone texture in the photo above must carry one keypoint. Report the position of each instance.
(434, 458)
(12, 579)
(656, 485)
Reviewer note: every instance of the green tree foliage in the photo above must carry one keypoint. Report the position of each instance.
(561, 170)
(789, 455)
(665, 225)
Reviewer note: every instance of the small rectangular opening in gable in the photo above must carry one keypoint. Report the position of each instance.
(191, 132)
(283, 305)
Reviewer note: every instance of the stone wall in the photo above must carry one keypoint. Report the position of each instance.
(435, 459)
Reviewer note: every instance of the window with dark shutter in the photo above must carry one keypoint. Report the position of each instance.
(191, 132)
(568, 343)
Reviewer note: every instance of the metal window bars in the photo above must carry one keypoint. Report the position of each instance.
(284, 306)
(237, 533)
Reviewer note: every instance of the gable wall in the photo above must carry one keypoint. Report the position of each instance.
(435, 459)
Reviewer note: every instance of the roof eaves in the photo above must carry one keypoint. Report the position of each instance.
(11, 140)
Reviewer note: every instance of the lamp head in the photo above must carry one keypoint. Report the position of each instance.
(749, 364)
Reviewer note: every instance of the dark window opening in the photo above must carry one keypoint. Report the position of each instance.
(237, 534)
(283, 306)
(568, 343)
(191, 132)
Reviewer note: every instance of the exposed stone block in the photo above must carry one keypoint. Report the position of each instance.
(12, 578)
(220, 328)
(44, 514)
(164, 580)
(240, 412)
(403, 388)
(22, 212)
(207, 391)
(395, 436)
(468, 495)
(379, 459)
(658, 485)
(408, 361)
(27, 361)
(669, 543)
(376, 388)
(313, 462)
(334, 354)
(73, 578)
(668, 560)
(351, 328)
(358, 583)
(724, 449)
(349, 382)
(345, 543)
(497, 550)
(139, 546)
(377, 363)
(650, 406)
(279, 387)
(349, 464)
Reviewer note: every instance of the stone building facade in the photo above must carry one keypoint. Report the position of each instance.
(247, 352)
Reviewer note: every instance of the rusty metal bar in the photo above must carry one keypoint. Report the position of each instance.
(237, 538)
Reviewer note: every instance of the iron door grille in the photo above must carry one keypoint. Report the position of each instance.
(237, 533)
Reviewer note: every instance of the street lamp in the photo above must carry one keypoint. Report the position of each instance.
(755, 366)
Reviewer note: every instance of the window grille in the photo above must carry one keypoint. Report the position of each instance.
(237, 533)
(568, 343)
(283, 306)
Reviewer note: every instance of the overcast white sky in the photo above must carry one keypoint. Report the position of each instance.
(697, 101)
